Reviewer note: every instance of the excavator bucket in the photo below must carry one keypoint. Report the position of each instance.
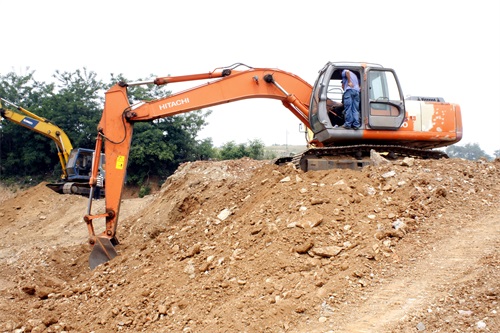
(102, 252)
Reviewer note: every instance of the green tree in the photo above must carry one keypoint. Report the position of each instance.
(24, 153)
(256, 149)
(470, 151)
(75, 102)
(205, 150)
(159, 146)
(148, 153)
(496, 153)
(232, 151)
(77, 105)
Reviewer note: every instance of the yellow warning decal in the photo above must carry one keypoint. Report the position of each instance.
(120, 162)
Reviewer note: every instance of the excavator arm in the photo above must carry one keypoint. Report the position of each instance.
(42, 126)
(116, 127)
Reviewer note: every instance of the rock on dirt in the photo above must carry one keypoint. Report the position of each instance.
(247, 246)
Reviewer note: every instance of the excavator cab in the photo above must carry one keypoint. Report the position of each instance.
(79, 169)
(390, 124)
(79, 164)
(382, 105)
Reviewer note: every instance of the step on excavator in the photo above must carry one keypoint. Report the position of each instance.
(76, 163)
(390, 124)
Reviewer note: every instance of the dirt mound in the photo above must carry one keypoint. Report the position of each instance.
(7, 192)
(247, 246)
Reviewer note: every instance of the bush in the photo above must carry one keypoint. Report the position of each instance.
(144, 190)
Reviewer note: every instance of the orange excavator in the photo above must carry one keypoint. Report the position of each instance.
(390, 124)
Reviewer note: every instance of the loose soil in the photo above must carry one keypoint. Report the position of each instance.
(247, 246)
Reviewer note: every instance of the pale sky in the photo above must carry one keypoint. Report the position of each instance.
(438, 48)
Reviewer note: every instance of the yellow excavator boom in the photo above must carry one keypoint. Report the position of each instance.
(40, 125)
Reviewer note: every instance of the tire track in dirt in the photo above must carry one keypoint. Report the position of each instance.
(450, 259)
(418, 285)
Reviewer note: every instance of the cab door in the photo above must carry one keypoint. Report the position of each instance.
(384, 101)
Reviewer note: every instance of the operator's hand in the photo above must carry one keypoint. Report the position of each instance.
(350, 84)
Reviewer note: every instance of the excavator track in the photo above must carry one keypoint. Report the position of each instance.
(353, 157)
(78, 188)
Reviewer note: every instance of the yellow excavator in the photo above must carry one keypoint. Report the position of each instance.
(76, 163)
